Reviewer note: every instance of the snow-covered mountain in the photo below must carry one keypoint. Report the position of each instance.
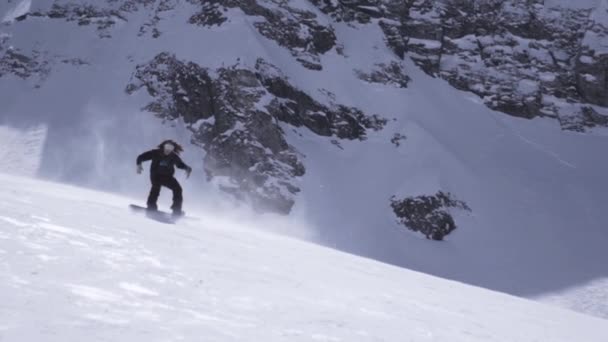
(377, 123)
(73, 269)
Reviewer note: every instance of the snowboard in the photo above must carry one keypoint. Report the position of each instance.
(158, 215)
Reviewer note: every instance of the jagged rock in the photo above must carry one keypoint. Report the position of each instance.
(292, 28)
(397, 139)
(17, 64)
(429, 215)
(234, 117)
(83, 14)
(592, 62)
(391, 74)
(347, 11)
(211, 14)
(131, 5)
(151, 25)
(299, 109)
(107, 15)
(243, 144)
(585, 118)
(516, 55)
(35, 65)
(520, 56)
(362, 11)
(395, 38)
(592, 78)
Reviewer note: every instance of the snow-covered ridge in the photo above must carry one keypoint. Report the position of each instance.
(76, 264)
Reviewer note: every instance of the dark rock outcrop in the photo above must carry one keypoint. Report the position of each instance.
(105, 16)
(83, 14)
(520, 57)
(362, 11)
(293, 28)
(592, 62)
(391, 74)
(234, 116)
(397, 139)
(34, 65)
(15, 62)
(429, 215)
(299, 109)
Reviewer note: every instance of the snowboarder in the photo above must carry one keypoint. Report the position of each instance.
(164, 159)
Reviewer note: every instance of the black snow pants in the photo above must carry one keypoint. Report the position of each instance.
(169, 182)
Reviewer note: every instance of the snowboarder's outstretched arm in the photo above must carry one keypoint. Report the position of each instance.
(145, 156)
(181, 165)
(142, 158)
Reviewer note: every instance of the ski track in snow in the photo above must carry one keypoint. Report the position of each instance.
(90, 270)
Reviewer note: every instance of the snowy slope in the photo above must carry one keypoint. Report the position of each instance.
(76, 265)
(537, 227)
(537, 194)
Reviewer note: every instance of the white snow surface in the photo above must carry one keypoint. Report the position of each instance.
(20, 8)
(537, 227)
(76, 265)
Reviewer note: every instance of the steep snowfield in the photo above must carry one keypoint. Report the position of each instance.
(537, 227)
(76, 265)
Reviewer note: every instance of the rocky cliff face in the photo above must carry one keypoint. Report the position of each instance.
(236, 115)
(592, 63)
(519, 56)
(34, 65)
(428, 214)
(293, 28)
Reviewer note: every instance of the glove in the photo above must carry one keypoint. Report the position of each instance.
(188, 172)
(140, 168)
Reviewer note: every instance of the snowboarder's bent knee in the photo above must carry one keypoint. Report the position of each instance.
(164, 159)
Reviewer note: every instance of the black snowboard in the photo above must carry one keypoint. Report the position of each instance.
(157, 215)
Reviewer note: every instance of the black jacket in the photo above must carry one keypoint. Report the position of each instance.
(162, 164)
